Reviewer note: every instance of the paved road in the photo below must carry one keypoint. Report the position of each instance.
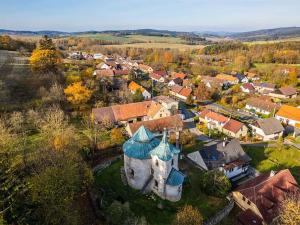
(190, 124)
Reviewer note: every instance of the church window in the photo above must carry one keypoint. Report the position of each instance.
(156, 162)
(172, 163)
(156, 183)
(131, 171)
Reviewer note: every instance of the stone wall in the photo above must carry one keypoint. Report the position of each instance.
(221, 214)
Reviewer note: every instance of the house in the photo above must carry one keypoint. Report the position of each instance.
(152, 165)
(267, 129)
(176, 81)
(213, 82)
(168, 103)
(261, 106)
(247, 88)
(100, 74)
(242, 78)
(234, 128)
(171, 124)
(123, 72)
(134, 112)
(182, 76)
(103, 66)
(252, 76)
(226, 156)
(98, 56)
(223, 124)
(181, 92)
(229, 79)
(284, 92)
(145, 68)
(289, 115)
(264, 88)
(133, 87)
(187, 83)
(157, 77)
(260, 197)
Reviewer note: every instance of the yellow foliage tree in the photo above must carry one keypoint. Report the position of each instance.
(77, 93)
(290, 210)
(116, 136)
(188, 215)
(45, 60)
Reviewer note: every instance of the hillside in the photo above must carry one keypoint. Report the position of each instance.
(268, 34)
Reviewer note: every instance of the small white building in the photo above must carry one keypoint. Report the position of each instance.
(152, 165)
(267, 129)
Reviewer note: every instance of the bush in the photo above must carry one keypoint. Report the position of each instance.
(120, 214)
(215, 183)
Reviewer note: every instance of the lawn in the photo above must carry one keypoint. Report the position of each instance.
(147, 205)
(266, 159)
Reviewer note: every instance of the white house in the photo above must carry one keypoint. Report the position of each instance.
(176, 81)
(261, 106)
(267, 129)
(247, 88)
(289, 115)
(152, 165)
(226, 156)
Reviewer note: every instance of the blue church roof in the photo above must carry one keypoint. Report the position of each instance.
(175, 177)
(140, 144)
(165, 151)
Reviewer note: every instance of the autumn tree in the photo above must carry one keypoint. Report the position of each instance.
(117, 136)
(138, 96)
(45, 58)
(188, 215)
(77, 93)
(290, 210)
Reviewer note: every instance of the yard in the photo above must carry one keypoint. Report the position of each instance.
(147, 205)
(266, 159)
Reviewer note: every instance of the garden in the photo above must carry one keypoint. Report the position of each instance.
(151, 207)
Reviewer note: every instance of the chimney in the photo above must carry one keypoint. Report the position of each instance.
(224, 142)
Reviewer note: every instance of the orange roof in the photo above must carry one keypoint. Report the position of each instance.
(154, 108)
(132, 110)
(144, 67)
(216, 116)
(134, 87)
(185, 92)
(226, 77)
(289, 112)
(179, 75)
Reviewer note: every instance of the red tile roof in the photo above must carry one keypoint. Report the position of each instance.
(233, 125)
(289, 112)
(268, 190)
(216, 116)
(249, 218)
(248, 86)
(158, 125)
(179, 75)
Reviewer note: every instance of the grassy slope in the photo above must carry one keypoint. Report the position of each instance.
(146, 205)
(266, 159)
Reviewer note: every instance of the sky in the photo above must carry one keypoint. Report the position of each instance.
(179, 15)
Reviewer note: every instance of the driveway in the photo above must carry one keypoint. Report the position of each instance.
(190, 125)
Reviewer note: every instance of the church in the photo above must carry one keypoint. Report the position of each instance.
(151, 164)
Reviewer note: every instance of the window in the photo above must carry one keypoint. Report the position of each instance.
(244, 199)
(160, 115)
(139, 119)
(156, 162)
(172, 163)
(131, 172)
(248, 202)
(156, 183)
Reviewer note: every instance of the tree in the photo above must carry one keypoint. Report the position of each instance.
(215, 183)
(45, 58)
(53, 190)
(188, 215)
(290, 210)
(116, 136)
(138, 96)
(202, 93)
(77, 93)
(120, 214)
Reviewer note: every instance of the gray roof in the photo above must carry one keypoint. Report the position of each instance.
(104, 113)
(270, 126)
(216, 154)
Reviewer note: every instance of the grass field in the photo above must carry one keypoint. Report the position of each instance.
(266, 159)
(147, 205)
(273, 41)
(144, 41)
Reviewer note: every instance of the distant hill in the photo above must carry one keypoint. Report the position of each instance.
(268, 34)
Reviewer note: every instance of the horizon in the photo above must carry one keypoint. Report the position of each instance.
(176, 15)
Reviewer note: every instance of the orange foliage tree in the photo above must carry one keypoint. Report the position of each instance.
(77, 93)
